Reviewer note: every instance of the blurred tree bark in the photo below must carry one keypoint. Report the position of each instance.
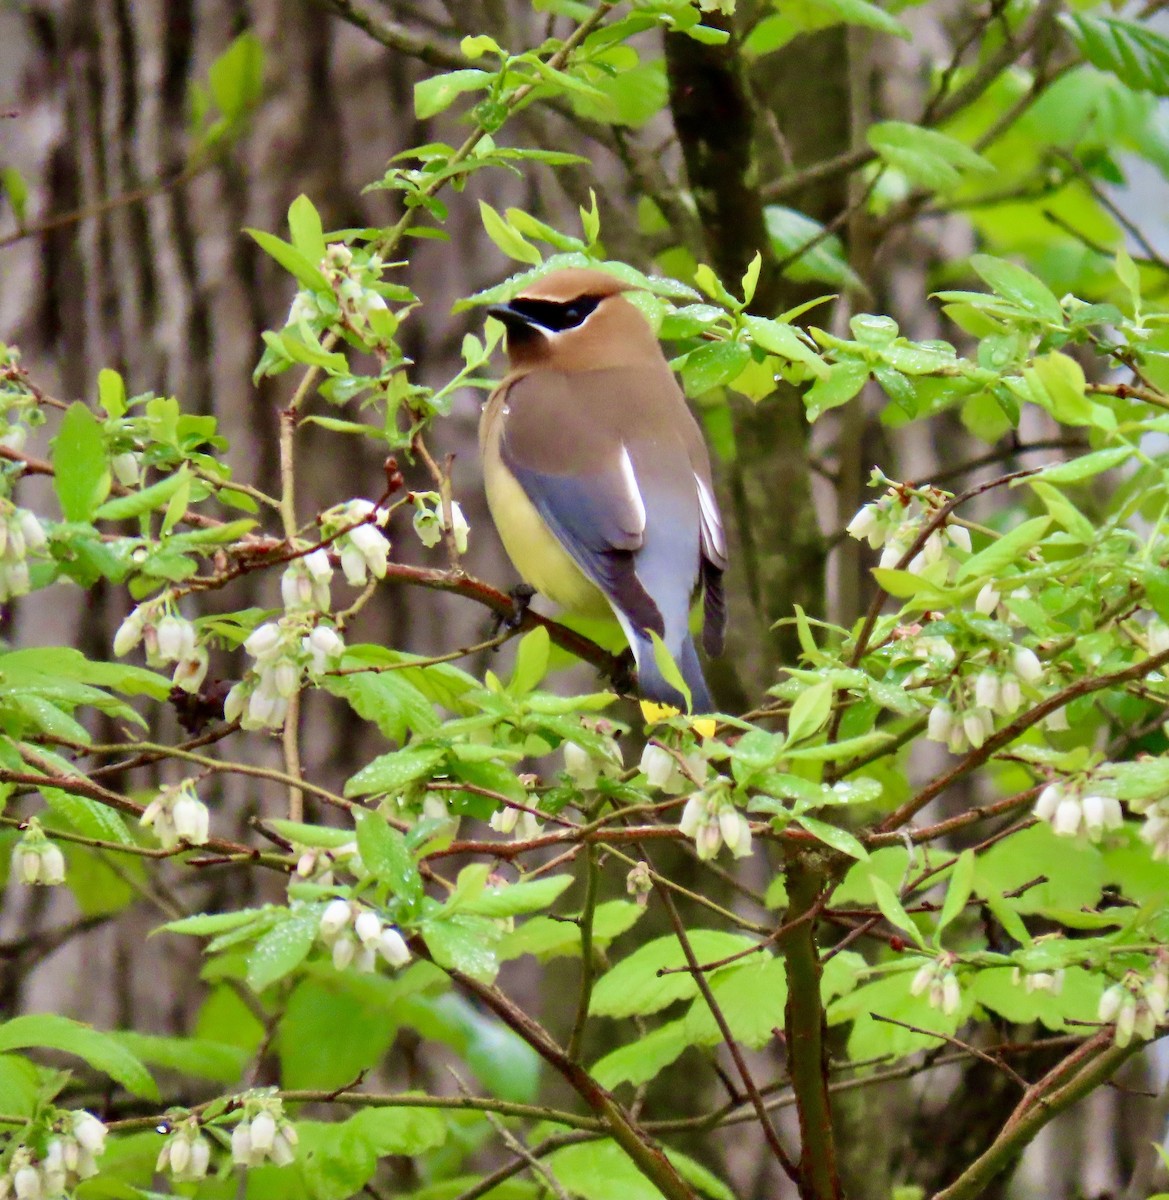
(168, 290)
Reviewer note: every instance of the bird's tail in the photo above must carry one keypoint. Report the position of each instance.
(655, 686)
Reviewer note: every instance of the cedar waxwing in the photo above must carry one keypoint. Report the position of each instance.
(597, 475)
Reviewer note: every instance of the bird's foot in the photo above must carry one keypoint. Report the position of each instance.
(521, 597)
(623, 677)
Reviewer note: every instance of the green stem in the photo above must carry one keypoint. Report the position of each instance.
(647, 1155)
(804, 1022)
(1020, 1130)
(592, 879)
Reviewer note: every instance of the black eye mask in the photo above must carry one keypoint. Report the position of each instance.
(553, 315)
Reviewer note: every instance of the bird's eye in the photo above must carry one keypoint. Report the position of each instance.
(578, 310)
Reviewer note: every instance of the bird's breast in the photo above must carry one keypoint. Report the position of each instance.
(532, 547)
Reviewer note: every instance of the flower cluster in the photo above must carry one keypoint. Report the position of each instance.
(21, 536)
(639, 883)
(358, 935)
(283, 652)
(585, 766)
(363, 548)
(186, 1153)
(178, 816)
(74, 1144)
(169, 638)
(1155, 830)
(711, 819)
(127, 468)
(1138, 1004)
(893, 523)
(517, 822)
(264, 1135)
(319, 864)
(1157, 634)
(1072, 811)
(430, 521)
(1039, 981)
(667, 772)
(967, 718)
(938, 982)
(13, 436)
(35, 859)
(305, 582)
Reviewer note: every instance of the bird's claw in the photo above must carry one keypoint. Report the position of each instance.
(623, 676)
(521, 597)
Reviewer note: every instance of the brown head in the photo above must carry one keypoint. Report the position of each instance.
(576, 319)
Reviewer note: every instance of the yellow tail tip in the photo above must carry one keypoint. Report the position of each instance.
(654, 712)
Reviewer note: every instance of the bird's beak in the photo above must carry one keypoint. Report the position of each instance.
(516, 322)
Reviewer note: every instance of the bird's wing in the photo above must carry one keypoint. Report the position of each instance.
(579, 476)
(713, 540)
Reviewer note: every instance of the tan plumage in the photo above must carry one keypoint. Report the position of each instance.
(597, 475)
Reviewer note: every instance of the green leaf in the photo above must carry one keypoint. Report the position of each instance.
(1157, 589)
(336, 1160)
(388, 698)
(88, 817)
(805, 16)
(750, 280)
(206, 924)
(15, 187)
(283, 948)
(958, 891)
(1004, 552)
(335, 1025)
(821, 256)
(631, 97)
(642, 1058)
(634, 985)
(1020, 287)
(712, 365)
(531, 663)
(1063, 511)
(1062, 380)
(1087, 466)
(384, 852)
(843, 381)
(392, 772)
(294, 261)
(1075, 874)
(934, 160)
(783, 340)
(546, 937)
(892, 908)
(147, 500)
(833, 835)
(80, 464)
(236, 77)
(111, 393)
(1138, 55)
(510, 241)
(514, 899)
(100, 1050)
(466, 943)
(603, 1171)
(751, 996)
(409, 1131)
(904, 584)
(439, 92)
(204, 1059)
(810, 711)
(20, 1085)
(304, 223)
